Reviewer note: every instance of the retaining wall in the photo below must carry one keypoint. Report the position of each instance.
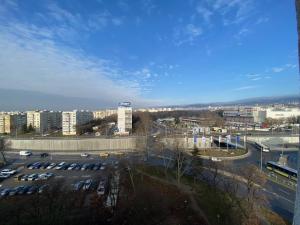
(86, 144)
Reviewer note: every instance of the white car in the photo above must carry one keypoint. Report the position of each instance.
(33, 177)
(8, 171)
(87, 184)
(25, 153)
(72, 166)
(60, 166)
(215, 159)
(51, 166)
(102, 168)
(84, 155)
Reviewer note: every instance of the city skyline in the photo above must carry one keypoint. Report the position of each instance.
(147, 52)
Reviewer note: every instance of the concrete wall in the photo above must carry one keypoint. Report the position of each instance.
(86, 144)
(187, 142)
(273, 140)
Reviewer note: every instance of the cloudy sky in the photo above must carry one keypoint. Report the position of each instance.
(150, 52)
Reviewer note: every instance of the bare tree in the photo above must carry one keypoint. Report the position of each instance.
(254, 198)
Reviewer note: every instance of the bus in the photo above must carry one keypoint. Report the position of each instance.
(282, 170)
(262, 147)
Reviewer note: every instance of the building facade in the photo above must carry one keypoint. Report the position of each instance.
(282, 112)
(44, 121)
(72, 119)
(101, 114)
(124, 118)
(11, 122)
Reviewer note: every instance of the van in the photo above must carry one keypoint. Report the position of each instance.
(25, 153)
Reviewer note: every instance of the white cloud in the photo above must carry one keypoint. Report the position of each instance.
(117, 21)
(204, 12)
(187, 34)
(31, 60)
(262, 20)
(277, 69)
(245, 88)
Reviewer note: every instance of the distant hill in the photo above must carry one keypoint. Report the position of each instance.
(18, 100)
(252, 101)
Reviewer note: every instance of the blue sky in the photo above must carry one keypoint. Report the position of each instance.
(150, 52)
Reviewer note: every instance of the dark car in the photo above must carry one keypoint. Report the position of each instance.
(91, 166)
(77, 167)
(97, 166)
(45, 165)
(43, 155)
(32, 190)
(24, 190)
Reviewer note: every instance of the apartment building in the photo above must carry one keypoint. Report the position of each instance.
(11, 122)
(72, 119)
(44, 121)
(124, 118)
(101, 114)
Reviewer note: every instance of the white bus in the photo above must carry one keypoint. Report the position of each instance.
(262, 147)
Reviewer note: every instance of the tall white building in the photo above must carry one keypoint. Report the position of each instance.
(124, 117)
(10, 122)
(43, 121)
(72, 119)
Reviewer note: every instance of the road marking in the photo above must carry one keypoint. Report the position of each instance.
(60, 176)
(285, 192)
(86, 176)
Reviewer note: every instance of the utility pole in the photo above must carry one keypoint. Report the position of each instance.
(261, 155)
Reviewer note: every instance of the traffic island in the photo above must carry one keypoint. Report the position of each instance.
(223, 154)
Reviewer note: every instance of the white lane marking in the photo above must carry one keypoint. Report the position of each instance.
(86, 176)
(283, 191)
(60, 176)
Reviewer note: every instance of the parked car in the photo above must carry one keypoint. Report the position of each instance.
(33, 177)
(77, 186)
(84, 155)
(24, 190)
(8, 171)
(32, 190)
(15, 190)
(85, 166)
(97, 166)
(87, 184)
(102, 168)
(44, 155)
(51, 166)
(5, 192)
(45, 165)
(35, 165)
(25, 153)
(42, 188)
(4, 176)
(60, 166)
(72, 166)
(25, 177)
(77, 167)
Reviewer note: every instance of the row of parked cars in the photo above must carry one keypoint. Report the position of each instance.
(88, 184)
(23, 190)
(66, 166)
(33, 176)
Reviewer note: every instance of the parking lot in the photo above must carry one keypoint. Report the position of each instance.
(33, 174)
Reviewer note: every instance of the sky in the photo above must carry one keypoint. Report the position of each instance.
(149, 52)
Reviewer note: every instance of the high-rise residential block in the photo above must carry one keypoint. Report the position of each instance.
(72, 119)
(11, 122)
(124, 117)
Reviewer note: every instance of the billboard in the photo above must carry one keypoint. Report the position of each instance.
(125, 104)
